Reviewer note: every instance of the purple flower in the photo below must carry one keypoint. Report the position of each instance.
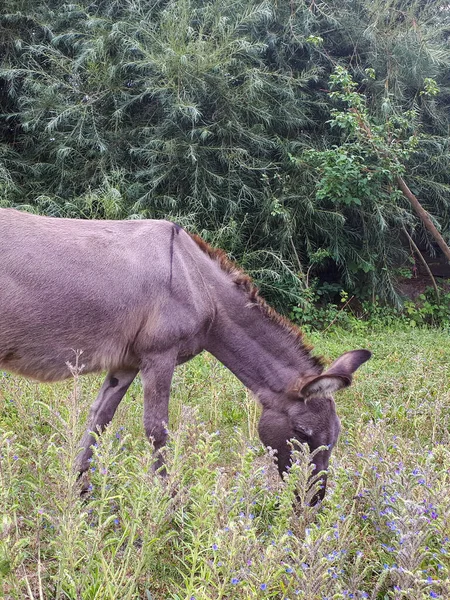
(215, 547)
(263, 586)
(235, 581)
(433, 595)
(289, 569)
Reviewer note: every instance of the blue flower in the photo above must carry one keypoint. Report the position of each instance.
(215, 547)
(263, 586)
(433, 595)
(235, 581)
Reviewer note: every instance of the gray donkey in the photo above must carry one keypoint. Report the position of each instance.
(145, 296)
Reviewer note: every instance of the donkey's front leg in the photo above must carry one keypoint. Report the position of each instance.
(156, 374)
(103, 409)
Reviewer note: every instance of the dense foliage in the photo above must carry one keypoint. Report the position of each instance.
(225, 117)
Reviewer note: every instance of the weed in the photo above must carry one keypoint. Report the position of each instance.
(222, 524)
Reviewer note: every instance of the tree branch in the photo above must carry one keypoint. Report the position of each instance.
(424, 216)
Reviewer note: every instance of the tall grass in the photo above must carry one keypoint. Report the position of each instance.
(222, 525)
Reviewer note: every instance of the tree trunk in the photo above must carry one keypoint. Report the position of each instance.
(424, 217)
(415, 249)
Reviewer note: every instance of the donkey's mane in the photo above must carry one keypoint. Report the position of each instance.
(244, 281)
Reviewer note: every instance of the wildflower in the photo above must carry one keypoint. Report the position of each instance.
(289, 570)
(15, 457)
(433, 595)
(215, 547)
(263, 586)
(235, 581)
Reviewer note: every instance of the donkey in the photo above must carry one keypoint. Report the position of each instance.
(145, 296)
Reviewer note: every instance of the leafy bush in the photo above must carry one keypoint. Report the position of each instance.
(316, 311)
(219, 116)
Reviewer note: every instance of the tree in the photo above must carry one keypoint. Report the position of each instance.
(194, 110)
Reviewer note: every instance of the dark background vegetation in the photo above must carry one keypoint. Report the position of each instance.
(218, 115)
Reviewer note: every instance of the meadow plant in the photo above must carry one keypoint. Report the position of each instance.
(222, 524)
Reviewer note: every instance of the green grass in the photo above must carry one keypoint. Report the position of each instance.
(222, 525)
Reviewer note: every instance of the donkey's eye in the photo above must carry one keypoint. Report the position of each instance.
(301, 434)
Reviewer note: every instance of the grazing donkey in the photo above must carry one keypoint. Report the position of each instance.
(144, 296)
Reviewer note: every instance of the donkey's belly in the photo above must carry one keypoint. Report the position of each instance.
(54, 359)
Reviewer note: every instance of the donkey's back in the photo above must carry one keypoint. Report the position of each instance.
(112, 289)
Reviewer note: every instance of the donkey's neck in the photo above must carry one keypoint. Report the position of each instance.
(264, 352)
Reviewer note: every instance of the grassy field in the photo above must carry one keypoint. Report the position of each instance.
(222, 525)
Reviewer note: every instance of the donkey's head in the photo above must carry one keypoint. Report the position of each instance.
(308, 414)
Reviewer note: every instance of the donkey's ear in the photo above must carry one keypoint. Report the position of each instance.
(322, 385)
(347, 363)
(338, 376)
